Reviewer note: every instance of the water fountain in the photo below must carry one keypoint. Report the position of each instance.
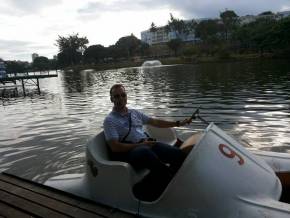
(151, 63)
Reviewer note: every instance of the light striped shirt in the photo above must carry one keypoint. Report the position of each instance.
(116, 126)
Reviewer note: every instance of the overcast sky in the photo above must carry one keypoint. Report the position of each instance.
(32, 26)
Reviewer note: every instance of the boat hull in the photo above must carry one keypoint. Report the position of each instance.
(219, 178)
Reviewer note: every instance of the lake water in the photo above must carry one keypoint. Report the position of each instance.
(45, 135)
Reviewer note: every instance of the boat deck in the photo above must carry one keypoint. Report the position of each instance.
(23, 198)
(13, 78)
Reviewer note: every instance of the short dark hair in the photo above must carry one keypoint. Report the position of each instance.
(115, 87)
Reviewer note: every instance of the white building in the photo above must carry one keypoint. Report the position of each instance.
(161, 35)
(154, 37)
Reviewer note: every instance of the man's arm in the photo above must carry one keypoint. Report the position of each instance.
(117, 146)
(167, 124)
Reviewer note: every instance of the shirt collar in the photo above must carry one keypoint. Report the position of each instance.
(122, 115)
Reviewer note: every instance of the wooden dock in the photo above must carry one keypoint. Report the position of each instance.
(25, 78)
(23, 198)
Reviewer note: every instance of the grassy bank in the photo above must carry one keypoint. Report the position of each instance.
(171, 61)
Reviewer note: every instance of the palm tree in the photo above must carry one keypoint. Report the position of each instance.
(153, 27)
(176, 25)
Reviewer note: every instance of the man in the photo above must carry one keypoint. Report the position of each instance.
(128, 142)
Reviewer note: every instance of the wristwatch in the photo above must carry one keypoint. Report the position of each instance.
(177, 123)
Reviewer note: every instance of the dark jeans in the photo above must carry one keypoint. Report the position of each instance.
(162, 160)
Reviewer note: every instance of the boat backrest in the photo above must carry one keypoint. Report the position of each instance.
(99, 151)
(166, 135)
(99, 148)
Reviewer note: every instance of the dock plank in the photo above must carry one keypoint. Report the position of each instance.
(14, 78)
(44, 201)
(28, 207)
(8, 211)
(66, 198)
(23, 192)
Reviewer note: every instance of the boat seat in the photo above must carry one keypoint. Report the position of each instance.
(165, 135)
(100, 152)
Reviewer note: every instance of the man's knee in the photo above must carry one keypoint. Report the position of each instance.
(142, 153)
(169, 151)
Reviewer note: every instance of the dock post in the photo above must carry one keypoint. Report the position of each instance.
(38, 88)
(23, 87)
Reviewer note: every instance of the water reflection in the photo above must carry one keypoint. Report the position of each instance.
(42, 136)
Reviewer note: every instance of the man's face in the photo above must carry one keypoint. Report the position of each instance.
(119, 97)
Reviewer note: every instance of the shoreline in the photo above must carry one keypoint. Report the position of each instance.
(172, 61)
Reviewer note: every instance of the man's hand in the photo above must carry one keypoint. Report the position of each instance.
(186, 121)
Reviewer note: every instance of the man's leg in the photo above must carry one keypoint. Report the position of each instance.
(144, 157)
(156, 181)
(169, 154)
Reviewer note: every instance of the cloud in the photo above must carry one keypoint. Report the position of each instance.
(187, 8)
(209, 8)
(16, 49)
(122, 5)
(24, 7)
(200, 8)
(9, 48)
(11, 44)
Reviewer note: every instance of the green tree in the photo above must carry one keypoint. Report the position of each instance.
(53, 64)
(95, 54)
(207, 30)
(174, 44)
(16, 66)
(266, 13)
(256, 35)
(127, 46)
(112, 53)
(41, 63)
(278, 36)
(71, 48)
(230, 21)
(144, 48)
(73, 42)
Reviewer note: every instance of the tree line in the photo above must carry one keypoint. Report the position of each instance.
(73, 50)
(226, 35)
(39, 64)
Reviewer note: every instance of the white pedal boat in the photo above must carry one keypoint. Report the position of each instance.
(219, 178)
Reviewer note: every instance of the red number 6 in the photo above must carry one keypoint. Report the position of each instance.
(228, 152)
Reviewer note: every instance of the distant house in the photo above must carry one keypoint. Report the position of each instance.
(251, 18)
(283, 14)
(247, 19)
